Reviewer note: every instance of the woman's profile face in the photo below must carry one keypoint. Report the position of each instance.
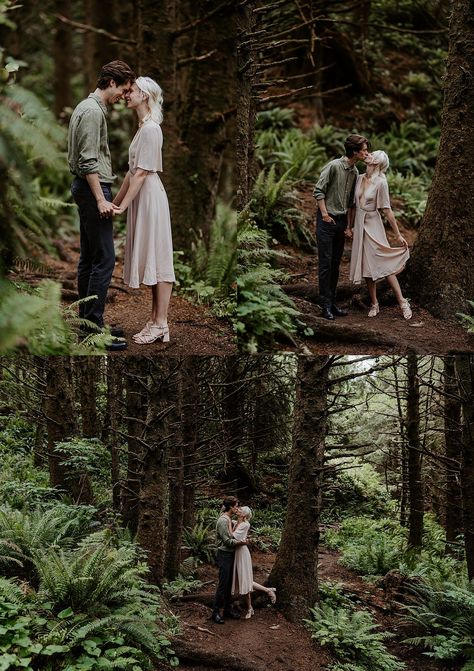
(134, 97)
(370, 160)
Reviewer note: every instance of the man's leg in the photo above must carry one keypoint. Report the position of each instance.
(337, 252)
(324, 235)
(220, 596)
(97, 255)
(85, 265)
(228, 588)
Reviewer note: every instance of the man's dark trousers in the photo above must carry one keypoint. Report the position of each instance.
(97, 260)
(330, 238)
(223, 597)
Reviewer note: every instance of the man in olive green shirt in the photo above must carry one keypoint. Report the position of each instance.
(225, 555)
(89, 161)
(334, 192)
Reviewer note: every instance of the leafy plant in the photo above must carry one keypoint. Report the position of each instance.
(467, 320)
(199, 541)
(174, 589)
(353, 637)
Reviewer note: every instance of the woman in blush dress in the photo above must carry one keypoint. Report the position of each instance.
(243, 582)
(148, 246)
(372, 257)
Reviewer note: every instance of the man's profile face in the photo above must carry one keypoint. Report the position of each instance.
(363, 152)
(234, 509)
(118, 92)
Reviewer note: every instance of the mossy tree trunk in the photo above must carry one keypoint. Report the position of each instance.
(295, 570)
(189, 48)
(415, 456)
(452, 439)
(440, 274)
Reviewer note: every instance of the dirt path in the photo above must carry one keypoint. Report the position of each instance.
(388, 333)
(194, 330)
(268, 641)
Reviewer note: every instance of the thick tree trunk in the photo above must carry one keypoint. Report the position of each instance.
(465, 375)
(136, 385)
(415, 460)
(190, 422)
(440, 272)
(154, 480)
(193, 59)
(452, 439)
(114, 394)
(61, 426)
(89, 369)
(62, 54)
(295, 571)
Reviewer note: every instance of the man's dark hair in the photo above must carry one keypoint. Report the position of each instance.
(354, 143)
(229, 502)
(119, 71)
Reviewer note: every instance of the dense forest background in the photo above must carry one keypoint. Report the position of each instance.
(359, 471)
(314, 72)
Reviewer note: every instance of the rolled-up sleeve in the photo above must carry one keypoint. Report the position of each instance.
(320, 189)
(88, 142)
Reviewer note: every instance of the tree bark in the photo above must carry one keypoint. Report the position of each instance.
(440, 273)
(190, 415)
(465, 374)
(62, 54)
(295, 571)
(453, 452)
(415, 460)
(61, 426)
(89, 368)
(193, 59)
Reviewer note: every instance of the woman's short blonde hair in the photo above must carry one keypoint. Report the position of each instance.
(246, 512)
(381, 159)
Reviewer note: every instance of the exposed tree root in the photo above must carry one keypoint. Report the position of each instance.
(193, 653)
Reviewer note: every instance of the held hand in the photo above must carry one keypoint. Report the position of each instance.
(328, 219)
(118, 209)
(348, 233)
(105, 207)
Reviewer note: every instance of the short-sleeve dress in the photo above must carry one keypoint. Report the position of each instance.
(371, 254)
(242, 582)
(148, 246)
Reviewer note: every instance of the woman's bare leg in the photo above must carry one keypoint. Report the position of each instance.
(161, 293)
(372, 289)
(393, 281)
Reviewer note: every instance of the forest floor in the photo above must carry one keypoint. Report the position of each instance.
(388, 333)
(269, 641)
(194, 330)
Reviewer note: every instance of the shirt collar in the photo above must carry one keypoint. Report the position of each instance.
(98, 99)
(345, 164)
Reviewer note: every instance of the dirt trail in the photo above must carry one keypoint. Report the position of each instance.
(194, 330)
(269, 641)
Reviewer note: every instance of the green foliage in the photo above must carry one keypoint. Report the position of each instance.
(444, 613)
(263, 309)
(332, 594)
(467, 320)
(209, 278)
(32, 163)
(356, 492)
(353, 637)
(175, 589)
(35, 320)
(199, 541)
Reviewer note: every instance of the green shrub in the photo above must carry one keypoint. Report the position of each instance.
(199, 541)
(174, 589)
(352, 637)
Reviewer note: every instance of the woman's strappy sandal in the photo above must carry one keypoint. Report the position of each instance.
(374, 310)
(406, 309)
(153, 334)
(143, 331)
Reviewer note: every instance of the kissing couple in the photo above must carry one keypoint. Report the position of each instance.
(234, 562)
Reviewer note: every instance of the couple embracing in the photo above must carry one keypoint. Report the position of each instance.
(349, 205)
(235, 563)
(148, 247)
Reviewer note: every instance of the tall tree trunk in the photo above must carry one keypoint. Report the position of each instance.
(62, 54)
(61, 426)
(295, 571)
(415, 478)
(89, 368)
(154, 480)
(190, 414)
(440, 271)
(136, 373)
(452, 439)
(39, 453)
(193, 59)
(114, 394)
(465, 375)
